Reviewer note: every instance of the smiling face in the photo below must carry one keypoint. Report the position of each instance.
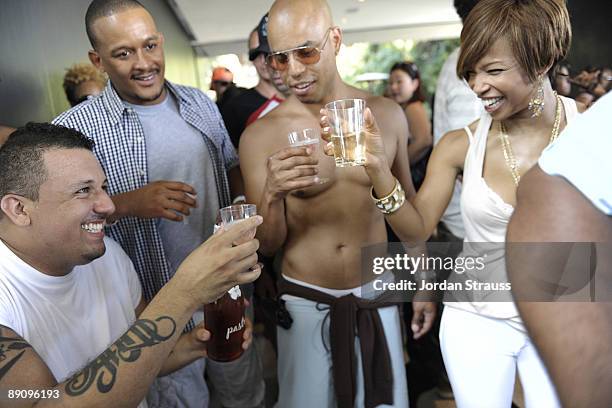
(402, 86)
(501, 84)
(305, 23)
(130, 50)
(67, 219)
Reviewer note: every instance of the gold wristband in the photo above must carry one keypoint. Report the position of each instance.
(392, 202)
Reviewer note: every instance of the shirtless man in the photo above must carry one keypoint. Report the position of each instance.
(567, 198)
(321, 227)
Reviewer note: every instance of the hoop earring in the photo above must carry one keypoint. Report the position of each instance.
(536, 103)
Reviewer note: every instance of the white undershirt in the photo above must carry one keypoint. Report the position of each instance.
(69, 320)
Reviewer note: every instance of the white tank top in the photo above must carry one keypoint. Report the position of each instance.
(485, 215)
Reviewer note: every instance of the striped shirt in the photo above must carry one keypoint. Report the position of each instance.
(118, 134)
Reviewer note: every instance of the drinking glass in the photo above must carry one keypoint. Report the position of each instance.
(235, 213)
(307, 138)
(347, 128)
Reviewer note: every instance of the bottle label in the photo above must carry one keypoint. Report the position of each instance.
(234, 329)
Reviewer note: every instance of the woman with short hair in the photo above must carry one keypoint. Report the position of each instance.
(507, 49)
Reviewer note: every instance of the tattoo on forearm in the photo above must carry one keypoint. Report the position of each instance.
(103, 370)
(7, 345)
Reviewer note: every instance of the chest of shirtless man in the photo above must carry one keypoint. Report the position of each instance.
(321, 227)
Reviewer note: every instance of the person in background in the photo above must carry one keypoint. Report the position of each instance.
(222, 82)
(585, 97)
(405, 86)
(455, 106)
(604, 84)
(170, 166)
(560, 79)
(83, 81)
(592, 84)
(269, 92)
(595, 81)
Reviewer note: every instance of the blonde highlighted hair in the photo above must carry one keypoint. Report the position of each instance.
(79, 73)
(539, 33)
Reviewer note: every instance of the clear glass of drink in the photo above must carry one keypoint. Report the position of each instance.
(347, 128)
(307, 138)
(235, 213)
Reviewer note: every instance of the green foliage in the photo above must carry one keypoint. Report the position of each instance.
(429, 56)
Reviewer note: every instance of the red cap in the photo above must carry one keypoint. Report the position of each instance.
(222, 74)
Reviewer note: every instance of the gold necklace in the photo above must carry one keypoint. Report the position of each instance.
(511, 161)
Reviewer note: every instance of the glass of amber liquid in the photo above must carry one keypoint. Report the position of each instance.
(224, 318)
(347, 129)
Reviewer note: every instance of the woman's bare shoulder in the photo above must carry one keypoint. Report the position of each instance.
(453, 145)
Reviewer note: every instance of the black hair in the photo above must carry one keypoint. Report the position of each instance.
(104, 8)
(413, 72)
(464, 7)
(22, 167)
(552, 73)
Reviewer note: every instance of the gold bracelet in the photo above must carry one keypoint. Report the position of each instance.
(392, 202)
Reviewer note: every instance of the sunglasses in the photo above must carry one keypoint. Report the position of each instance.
(222, 83)
(305, 54)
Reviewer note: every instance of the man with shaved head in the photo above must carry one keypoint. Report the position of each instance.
(320, 216)
(170, 165)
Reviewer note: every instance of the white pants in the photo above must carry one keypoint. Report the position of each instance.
(481, 355)
(304, 363)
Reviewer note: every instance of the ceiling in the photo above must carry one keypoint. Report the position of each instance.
(222, 27)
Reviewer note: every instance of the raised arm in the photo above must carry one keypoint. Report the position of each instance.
(269, 176)
(120, 376)
(416, 219)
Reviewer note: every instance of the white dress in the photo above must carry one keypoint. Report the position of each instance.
(483, 343)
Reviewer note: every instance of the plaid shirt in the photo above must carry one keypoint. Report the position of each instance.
(120, 148)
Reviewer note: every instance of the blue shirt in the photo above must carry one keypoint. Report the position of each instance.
(118, 134)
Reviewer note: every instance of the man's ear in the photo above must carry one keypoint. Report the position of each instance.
(15, 207)
(94, 57)
(336, 37)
